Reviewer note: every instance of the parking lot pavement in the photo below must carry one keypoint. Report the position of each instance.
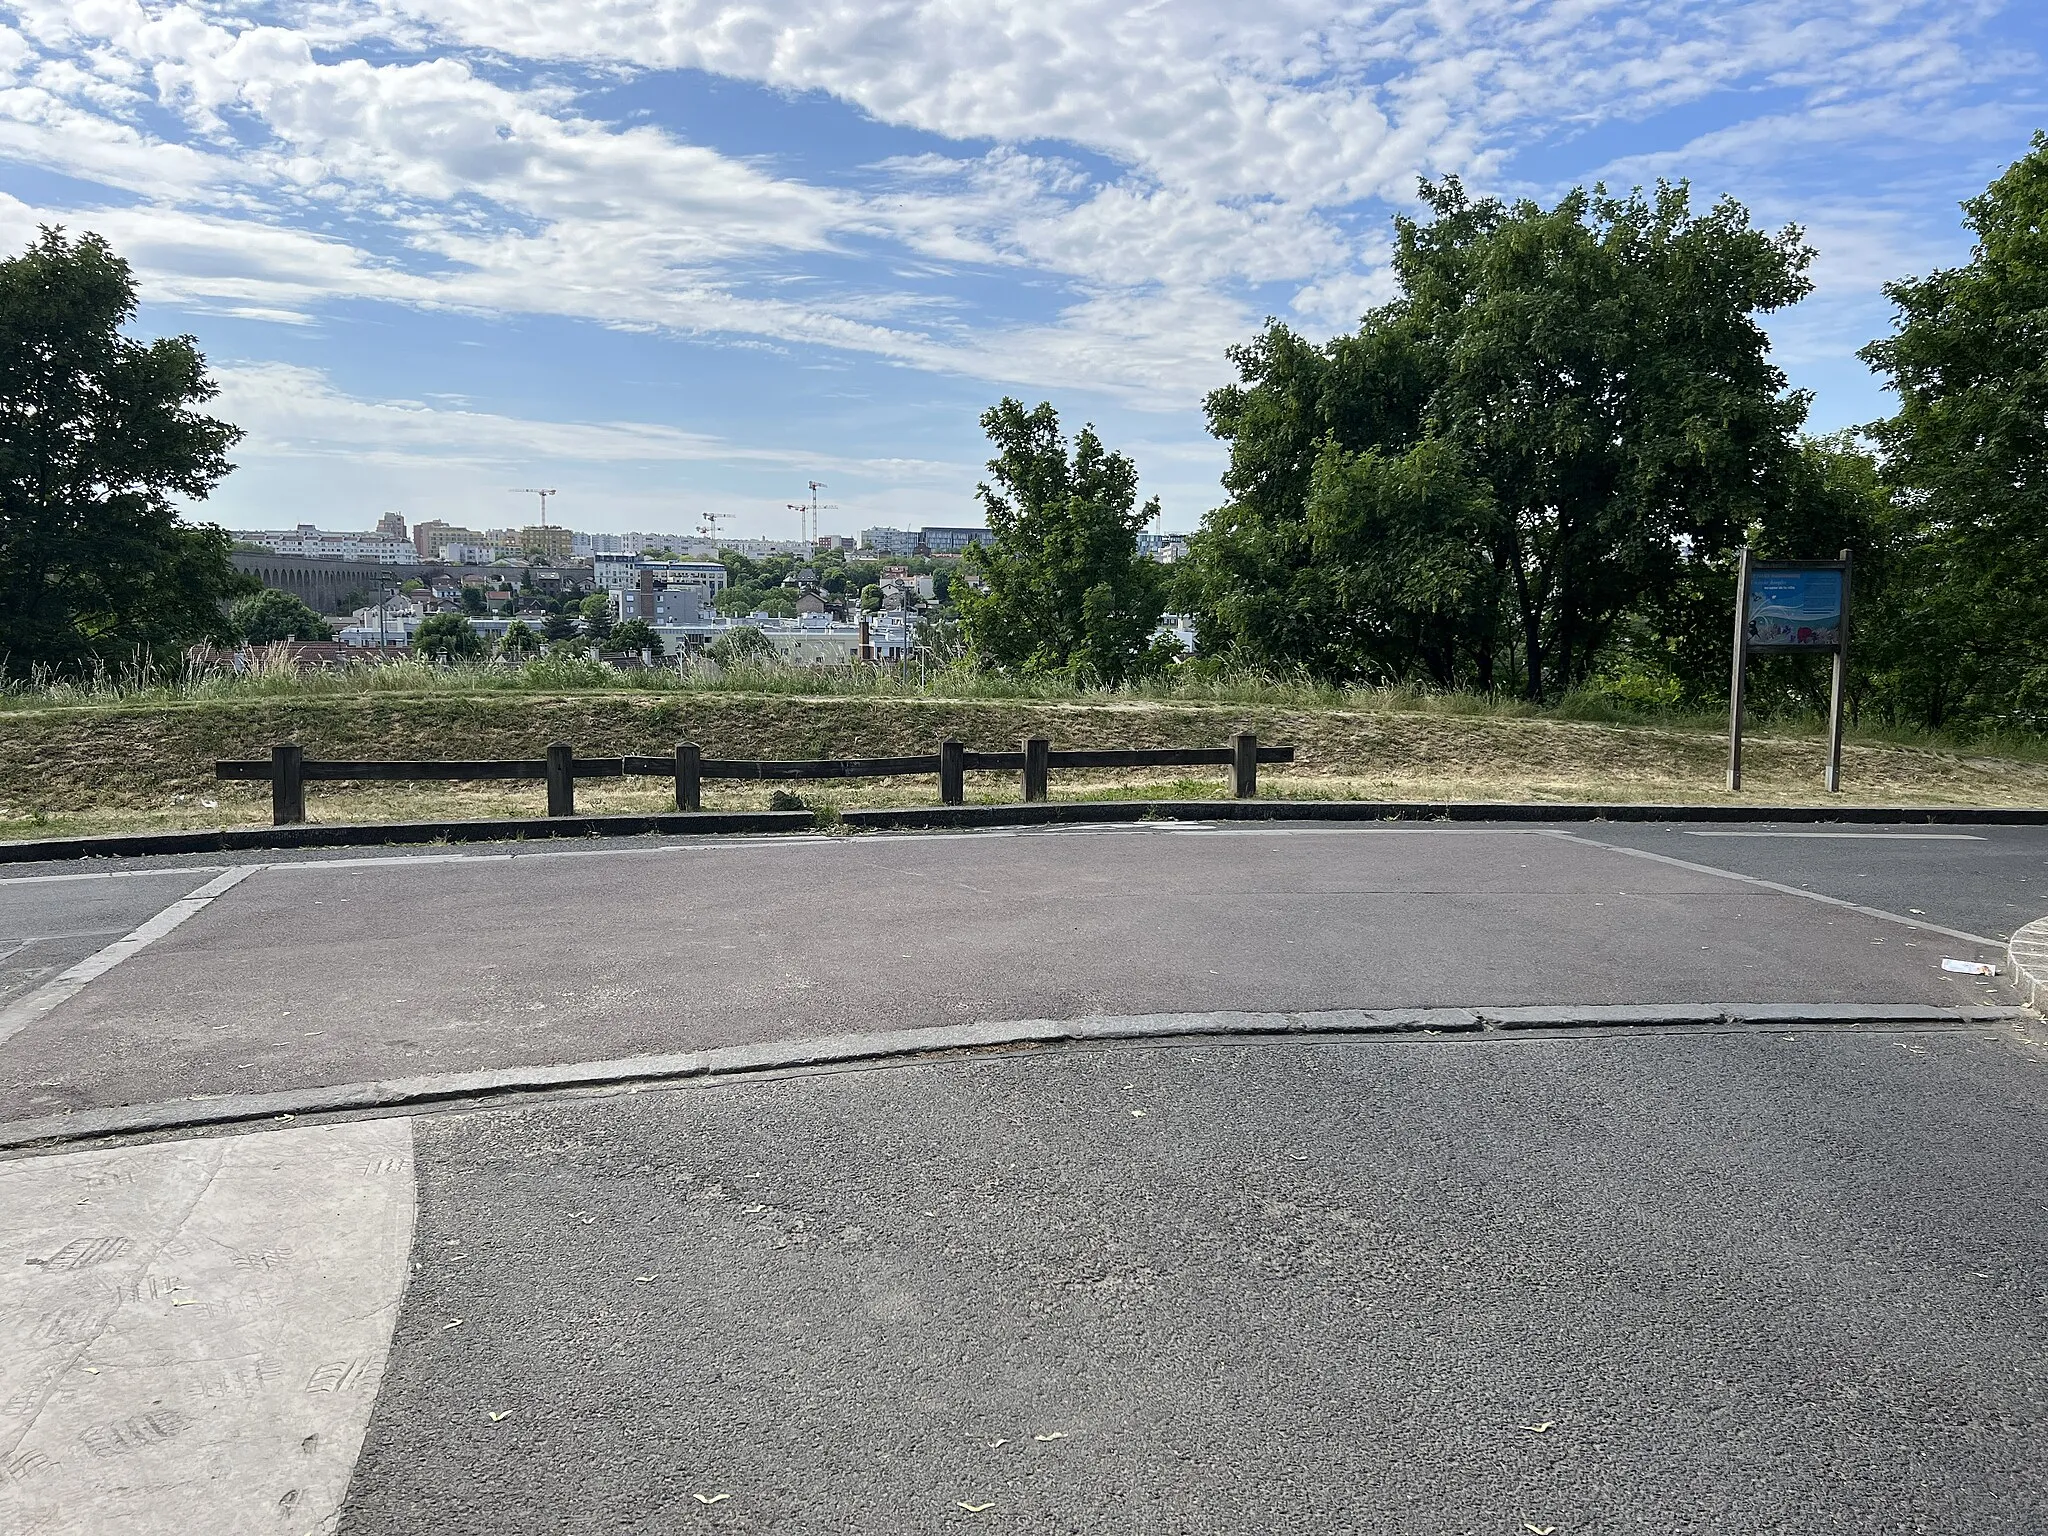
(373, 967)
(1758, 1282)
(1982, 880)
(52, 920)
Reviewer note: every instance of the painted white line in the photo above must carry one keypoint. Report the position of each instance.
(389, 860)
(195, 1338)
(21, 1013)
(1857, 837)
(1785, 890)
(115, 874)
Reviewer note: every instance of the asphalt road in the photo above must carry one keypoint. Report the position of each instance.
(345, 969)
(1756, 1282)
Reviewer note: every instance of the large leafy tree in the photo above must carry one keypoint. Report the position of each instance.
(263, 618)
(1968, 455)
(99, 434)
(447, 637)
(1560, 411)
(1060, 587)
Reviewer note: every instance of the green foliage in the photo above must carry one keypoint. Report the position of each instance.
(472, 600)
(871, 597)
(1061, 587)
(1564, 410)
(519, 641)
(98, 434)
(264, 618)
(636, 635)
(741, 646)
(559, 627)
(1968, 454)
(597, 618)
(447, 637)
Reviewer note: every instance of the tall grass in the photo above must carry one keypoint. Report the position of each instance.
(271, 674)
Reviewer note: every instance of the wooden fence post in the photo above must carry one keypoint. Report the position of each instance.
(952, 773)
(1037, 768)
(689, 776)
(287, 784)
(1244, 765)
(561, 779)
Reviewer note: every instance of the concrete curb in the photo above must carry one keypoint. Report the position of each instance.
(399, 1095)
(2027, 952)
(1051, 812)
(933, 817)
(362, 834)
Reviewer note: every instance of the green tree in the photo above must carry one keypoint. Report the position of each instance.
(1599, 411)
(741, 646)
(447, 637)
(520, 641)
(1967, 453)
(597, 617)
(636, 635)
(98, 434)
(263, 618)
(1063, 588)
(871, 598)
(472, 600)
(560, 627)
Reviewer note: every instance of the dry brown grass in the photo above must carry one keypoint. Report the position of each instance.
(101, 769)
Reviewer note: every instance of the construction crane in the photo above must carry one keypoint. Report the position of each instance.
(529, 490)
(802, 509)
(815, 508)
(708, 528)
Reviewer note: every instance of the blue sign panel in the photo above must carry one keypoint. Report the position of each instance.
(1795, 610)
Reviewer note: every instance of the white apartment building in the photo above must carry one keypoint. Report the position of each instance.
(618, 573)
(315, 544)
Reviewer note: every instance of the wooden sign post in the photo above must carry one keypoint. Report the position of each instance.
(1790, 607)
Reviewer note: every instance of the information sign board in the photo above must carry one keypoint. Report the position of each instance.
(1794, 608)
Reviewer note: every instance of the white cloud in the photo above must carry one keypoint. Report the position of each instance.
(1123, 189)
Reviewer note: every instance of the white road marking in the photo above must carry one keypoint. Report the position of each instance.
(115, 874)
(1857, 837)
(22, 1012)
(1784, 890)
(196, 1330)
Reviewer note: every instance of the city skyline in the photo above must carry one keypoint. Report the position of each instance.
(678, 263)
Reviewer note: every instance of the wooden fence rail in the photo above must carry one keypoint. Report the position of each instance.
(288, 769)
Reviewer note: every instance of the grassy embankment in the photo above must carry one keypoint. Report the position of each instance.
(117, 759)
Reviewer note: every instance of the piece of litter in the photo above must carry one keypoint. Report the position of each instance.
(1916, 911)
(1540, 1530)
(496, 1417)
(710, 1498)
(1536, 1429)
(456, 1324)
(1968, 967)
(184, 1303)
(1139, 1113)
(90, 1370)
(994, 1443)
(1058, 1434)
(642, 1279)
(973, 1509)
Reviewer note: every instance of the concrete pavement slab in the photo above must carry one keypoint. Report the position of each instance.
(195, 1331)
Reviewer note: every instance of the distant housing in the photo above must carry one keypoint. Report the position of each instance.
(921, 541)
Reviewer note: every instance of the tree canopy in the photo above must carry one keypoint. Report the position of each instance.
(264, 618)
(1060, 586)
(1562, 412)
(1967, 454)
(447, 637)
(99, 434)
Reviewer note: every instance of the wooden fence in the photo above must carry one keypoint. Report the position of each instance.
(289, 770)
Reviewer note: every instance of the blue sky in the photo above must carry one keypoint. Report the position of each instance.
(678, 256)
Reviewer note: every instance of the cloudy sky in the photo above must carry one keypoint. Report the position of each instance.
(673, 256)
